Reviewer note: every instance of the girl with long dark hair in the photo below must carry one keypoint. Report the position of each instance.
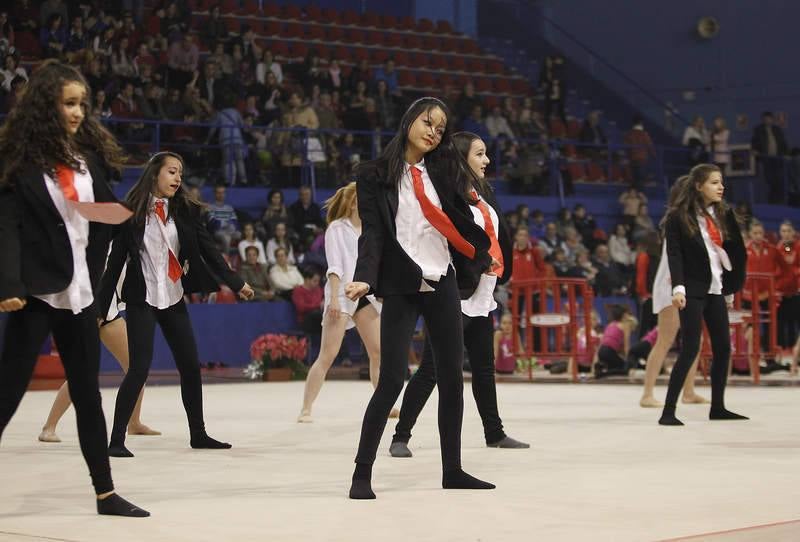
(56, 156)
(476, 307)
(413, 208)
(707, 263)
(169, 253)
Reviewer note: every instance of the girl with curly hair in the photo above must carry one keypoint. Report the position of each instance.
(55, 156)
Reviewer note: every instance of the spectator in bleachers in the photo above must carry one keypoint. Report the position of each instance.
(643, 223)
(247, 41)
(584, 268)
(474, 123)
(387, 108)
(789, 309)
(572, 244)
(387, 73)
(328, 120)
(272, 95)
(6, 30)
(314, 73)
(696, 140)
(53, 37)
(221, 58)
(174, 107)
(360, 72)
(254, 272)
(355, 117)
(720, 151)
(274, 213)
(24, 16)
(528, 261)
(101, 108)
(619, 248)
(11, 70)
(214, 29)
(125, 105)
(77, 42)
(11, 99)
(630, 200)
(529, 123)
(283, 275)
(555, 96)
(550, 240)
(96, 75)
(270, 65)
(308, 300)
(222, 221)
(560, 262)
(552, 68)
(249, 240)
(585, 224)
(299, 115)
(103, 45)
(610, 279)
(229, 123)
(129, 28)
(592, 134)
(304, 214)
(150, 103)
(49, 8)
(175, 21)
(121, 62)
(523, 215)
(280, 239)
(769, 146)
(211, 84)
(640, 152)
(144, 57)
(498, 125)
(335, 74)
(510, 111)
(537, 224)
(183, 59)
(467, 102)
(564, 221)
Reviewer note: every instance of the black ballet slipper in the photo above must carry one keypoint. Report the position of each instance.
(114, 505)
(400, 449)
(509, 443)
(724, 414)
(119, 450)
(204, 442)
(458, 479)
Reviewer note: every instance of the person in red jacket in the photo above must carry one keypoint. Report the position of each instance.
(789, 284)
(762, 257)
(308, 300)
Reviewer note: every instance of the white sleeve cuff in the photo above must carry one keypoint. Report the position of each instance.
(679, 289)
(729, 299)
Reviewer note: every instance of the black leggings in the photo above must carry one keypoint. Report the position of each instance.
(441, 310)
(479, 340)
(177, 328)
(613, 362)
(78, 341)
(711, 309)
(638, 351)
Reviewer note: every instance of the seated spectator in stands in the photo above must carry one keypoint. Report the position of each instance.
(284, 276)
(696, 139)
(335, 74)
(174, 108)
(529, 122)
(221, 58)
(615, 344)
(214, 29)
(126, 106)
(550, 240)
(150, 103)
(222, 221)
(640, 152)
(354, 117)
(314, 73)
(280, 239)
(583, 267)
(555, 96)
(12, 97)
(467, 102)
(304, 214)
(591, 131)
(512, 219)
(254, 272)
(211, 84)
(96, 75)
(308, 300)
(266, 64)
(387, 73)
(229, 123)
(272, 96)
(53, 37)
(561, 264)
(50, 7)
(619, 248)
(274, 213)
(183, 59)
(11, 69)
(77, 42)
(497, 124)
(249, 240)
(130, 29)
(6, 30)
(630, 200)
(328, 120)
(572, 244)
(175, 21)
(610, 279)
(474, 123)
(387, 108)
(247, 41)
(299, 115)
(103, 45)
(564, 221)
(585, 224)
(643, 223)
(121, 61)
(144, 57)
(537, 224)
(24, 16)
(360, 72)
(101, 109)
(718, 140)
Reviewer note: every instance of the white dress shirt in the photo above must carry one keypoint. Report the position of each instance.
(714, 259)
(423, 243)
(341, 252)
(78, 295)
(482, 302)
(162, 293)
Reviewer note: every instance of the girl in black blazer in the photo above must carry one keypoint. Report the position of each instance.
(707, 263)
(169, 253)
(55, 157)
(476, 307)
(413, 208)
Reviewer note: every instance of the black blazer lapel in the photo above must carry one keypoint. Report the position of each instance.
(33, 181)
(392, 201)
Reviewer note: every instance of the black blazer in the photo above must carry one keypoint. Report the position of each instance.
(382, 262)
(468, 284)
(204, 269)
(759, 141)
(36, 253)
(688, 258)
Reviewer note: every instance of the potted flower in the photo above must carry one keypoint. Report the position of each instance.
(277, 357)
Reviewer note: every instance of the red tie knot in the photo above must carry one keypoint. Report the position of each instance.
(159, 208)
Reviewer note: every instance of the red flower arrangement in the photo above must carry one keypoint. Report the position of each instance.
(274, 351)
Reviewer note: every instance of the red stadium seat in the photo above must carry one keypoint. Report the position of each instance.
(394, 40)
(573, 128)
(298, 49)
(429, 43)
(315, 32)
(249, 8)
(495, 67)
(323, 51)
(476, 65)
(375, 38)
(360, 53)
(419, 60)
(596, 173)
(439, 62)
(313, 13)
(225, 296)
(557, 128)
(291, 11)
(388, 21)
(577, 171)
(280, 48)
(448, 44)
(570, 151)
(456, 63)
(405, 23)
(401, 58)
(343, 54)
(483, 84)
(232, 24)
(446, 80)
(379, 56)
(272, 28)
(293, 30)
(355, 35)
(467, 46)
(617, 175)
(270, 9)
(491, 101)
(406, 78)
(350, 17)
(502, 85)
(444, 27)
(425, 25)
(29, 46)
(520, 86)
(370, 19)
(335, 33)
(331, 16)
(227, 6)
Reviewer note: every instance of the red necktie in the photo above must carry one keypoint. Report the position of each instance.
(438, 218)
(713, 232)
(494, 247)
(174, 270)
(66, 180)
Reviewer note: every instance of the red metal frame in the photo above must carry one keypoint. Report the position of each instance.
(575, 299)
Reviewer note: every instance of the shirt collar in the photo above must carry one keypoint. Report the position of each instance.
(154, 199)
(419, 165)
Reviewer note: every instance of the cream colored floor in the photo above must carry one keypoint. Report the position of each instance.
(600, 469)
